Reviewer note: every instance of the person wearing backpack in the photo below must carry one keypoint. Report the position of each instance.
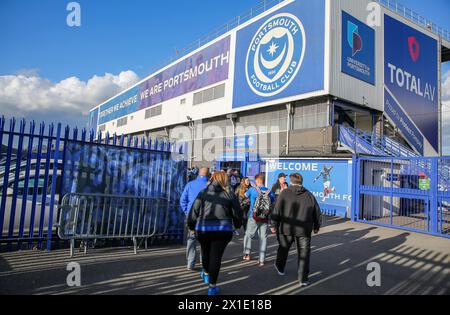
(261, 203)
(215, 214)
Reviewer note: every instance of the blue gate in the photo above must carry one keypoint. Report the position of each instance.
(405, 193)
(39, 165)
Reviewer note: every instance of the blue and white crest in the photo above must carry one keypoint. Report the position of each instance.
(275, 54)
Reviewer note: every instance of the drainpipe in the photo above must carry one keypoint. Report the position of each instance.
(232, 119)
(290, 111)
(192, 128)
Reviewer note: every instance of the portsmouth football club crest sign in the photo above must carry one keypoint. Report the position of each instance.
(281, 55)
(275, 54)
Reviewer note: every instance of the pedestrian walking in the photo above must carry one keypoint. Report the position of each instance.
(244, 201)
(214, 216)
(188, 197)
(295, 217)
(261, 202)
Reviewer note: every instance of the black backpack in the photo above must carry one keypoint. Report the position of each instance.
(263, 207)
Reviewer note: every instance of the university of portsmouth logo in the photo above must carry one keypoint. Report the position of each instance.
(414, 48)
(354, 39)
(275, 55)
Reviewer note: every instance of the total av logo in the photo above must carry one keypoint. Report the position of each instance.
(414, 48)
(275, 55)
(410, 81)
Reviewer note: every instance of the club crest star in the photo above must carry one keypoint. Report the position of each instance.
(272, 49)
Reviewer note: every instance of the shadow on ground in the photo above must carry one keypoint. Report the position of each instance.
(411, 264)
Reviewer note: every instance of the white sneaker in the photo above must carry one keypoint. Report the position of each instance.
(279, 272)
(304, 284)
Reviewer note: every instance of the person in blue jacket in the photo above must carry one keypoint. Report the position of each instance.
(188, 198)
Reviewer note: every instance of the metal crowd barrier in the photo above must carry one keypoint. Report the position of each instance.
(93, 217)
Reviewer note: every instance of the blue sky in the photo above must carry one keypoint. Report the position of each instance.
(119, 35)
(124, 38)
(115, 35)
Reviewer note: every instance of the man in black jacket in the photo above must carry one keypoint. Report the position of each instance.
(296, 215)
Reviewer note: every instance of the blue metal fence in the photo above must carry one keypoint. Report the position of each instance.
(364, 143)
(406, 193)
(39, 166)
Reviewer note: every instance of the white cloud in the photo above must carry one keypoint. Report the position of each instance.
(28, 72)
(25, 95)
(446, 87)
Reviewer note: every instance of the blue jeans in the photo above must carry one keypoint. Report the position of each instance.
(191, 250)
(253, 228)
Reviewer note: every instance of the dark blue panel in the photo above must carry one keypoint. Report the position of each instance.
(411, 75)
(358, 49)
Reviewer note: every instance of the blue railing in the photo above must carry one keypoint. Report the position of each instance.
(362, 142)
(414, 17)
(266, 5)
(256, 10)
(39, 166)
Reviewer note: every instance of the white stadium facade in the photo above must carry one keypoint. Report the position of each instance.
(320, 79)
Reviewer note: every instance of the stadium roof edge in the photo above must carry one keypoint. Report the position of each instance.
(206, 40)
(266, 5)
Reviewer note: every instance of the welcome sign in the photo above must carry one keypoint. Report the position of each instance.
(209, 66)
(411, 83)
(328, 180)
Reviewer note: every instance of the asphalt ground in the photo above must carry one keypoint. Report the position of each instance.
(410, 264)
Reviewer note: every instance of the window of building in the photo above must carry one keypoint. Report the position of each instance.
(210, 94)
(219, 91)
(270, 120)
(153, 112)
(102, 128)
(311, 116)
(183, 101)
(198, 98)
(122, 122)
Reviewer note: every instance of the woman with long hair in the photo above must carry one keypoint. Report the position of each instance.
(214, 215)
(244, 201)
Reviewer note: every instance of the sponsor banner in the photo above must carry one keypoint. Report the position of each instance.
(281, 54)
(207, 67)
(329, 180)
(106, 170)
(93, 119)
(411, 76)
(358, 49)
(403, 122)
(232, 157)
(253, 169)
